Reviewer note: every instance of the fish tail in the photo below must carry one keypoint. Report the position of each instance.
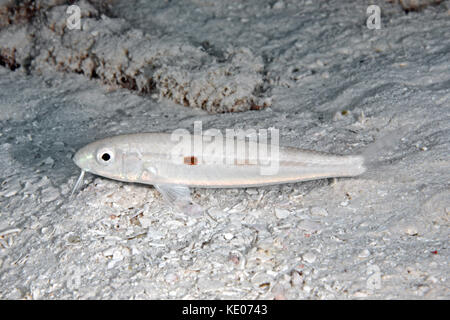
(375, 154)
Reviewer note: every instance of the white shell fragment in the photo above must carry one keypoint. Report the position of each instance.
(309, 257)
(281, 213)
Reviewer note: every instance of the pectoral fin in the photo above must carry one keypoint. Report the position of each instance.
(174, 193)
(179, 197)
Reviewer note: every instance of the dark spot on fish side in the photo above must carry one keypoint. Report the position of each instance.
(192, 161)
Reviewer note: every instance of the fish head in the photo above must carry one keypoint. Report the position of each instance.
(101, 158)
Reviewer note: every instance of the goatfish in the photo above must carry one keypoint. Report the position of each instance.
(173, 164)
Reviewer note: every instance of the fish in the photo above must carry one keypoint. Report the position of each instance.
(175, 163)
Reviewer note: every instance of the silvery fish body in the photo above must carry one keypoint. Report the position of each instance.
(208, 162)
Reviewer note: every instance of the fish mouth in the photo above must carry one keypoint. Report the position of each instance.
(77, 159)
(80, 160)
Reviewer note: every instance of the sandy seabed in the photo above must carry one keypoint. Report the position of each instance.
(312, 69)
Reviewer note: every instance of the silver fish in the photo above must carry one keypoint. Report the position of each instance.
(149, 158)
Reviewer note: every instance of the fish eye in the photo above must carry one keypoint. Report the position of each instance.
(105, 156)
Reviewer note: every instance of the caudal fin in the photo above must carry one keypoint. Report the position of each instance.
(374, 153)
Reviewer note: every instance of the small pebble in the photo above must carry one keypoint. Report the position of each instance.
(411, 230)
(296, 279)
(217, 213)
(228, 236)
(58, 144)
(318, 211)
(43, 182)
(309, 257)
(171, 277)
(135, 251)
(309, 226)
(281, 213)
(108, 252)
(49, 161)
(279, 5)
(73, 239)
(119, 254)
(279, 292)
(364, 254)
(261, 279)
(10, 189)
(46, 230)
